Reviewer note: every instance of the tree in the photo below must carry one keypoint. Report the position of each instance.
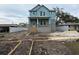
(64, 16)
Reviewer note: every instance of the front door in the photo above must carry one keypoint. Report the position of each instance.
(33, 22)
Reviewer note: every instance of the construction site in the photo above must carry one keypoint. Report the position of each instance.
(47, 32)
(32, 43)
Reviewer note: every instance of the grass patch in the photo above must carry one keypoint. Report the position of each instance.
(74, 47)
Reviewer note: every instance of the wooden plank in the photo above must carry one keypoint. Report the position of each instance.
(14, 48)
(31, 47)
(8, 41)
(27, 34)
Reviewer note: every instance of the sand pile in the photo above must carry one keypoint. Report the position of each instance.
(66, 34)
(70, 33)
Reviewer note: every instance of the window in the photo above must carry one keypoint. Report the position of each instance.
(51, 12)
(43, 13)
(43, 22)
(40, 13)
(34, 13)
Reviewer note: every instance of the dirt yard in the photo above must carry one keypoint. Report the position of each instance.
(6, 47)
(13, 36)
(74, 47)
(50, 48)
(8, 42)
(23, 49)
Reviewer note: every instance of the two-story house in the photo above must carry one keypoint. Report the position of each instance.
(43, 18)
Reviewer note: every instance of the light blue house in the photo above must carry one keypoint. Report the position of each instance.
(43, 18)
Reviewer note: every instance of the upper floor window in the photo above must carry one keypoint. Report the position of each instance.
(34, 13)
(40, 13)
(43, 13)
(50, 12)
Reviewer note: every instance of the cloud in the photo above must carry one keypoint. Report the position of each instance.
(19, 12)
(5, 21)
(14, 13)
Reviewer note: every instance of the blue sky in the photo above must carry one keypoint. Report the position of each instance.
(17, 13)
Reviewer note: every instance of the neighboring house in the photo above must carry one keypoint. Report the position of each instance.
(43, 18)
(6, 27)
(71, 26)
(11, 28)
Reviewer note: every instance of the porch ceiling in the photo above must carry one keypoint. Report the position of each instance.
(39, 17)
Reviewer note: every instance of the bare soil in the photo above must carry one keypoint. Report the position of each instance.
(39, 47)
(6, 47)
(50, 48)
(6, 44)
(13, 36)
(74, 47)
(23, 49)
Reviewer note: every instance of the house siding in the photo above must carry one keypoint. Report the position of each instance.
(51, 17)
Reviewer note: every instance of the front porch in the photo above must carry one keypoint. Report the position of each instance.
(41, 23)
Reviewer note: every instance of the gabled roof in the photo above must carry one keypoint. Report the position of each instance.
(38, 7)
(33, 9)
(42, 6)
